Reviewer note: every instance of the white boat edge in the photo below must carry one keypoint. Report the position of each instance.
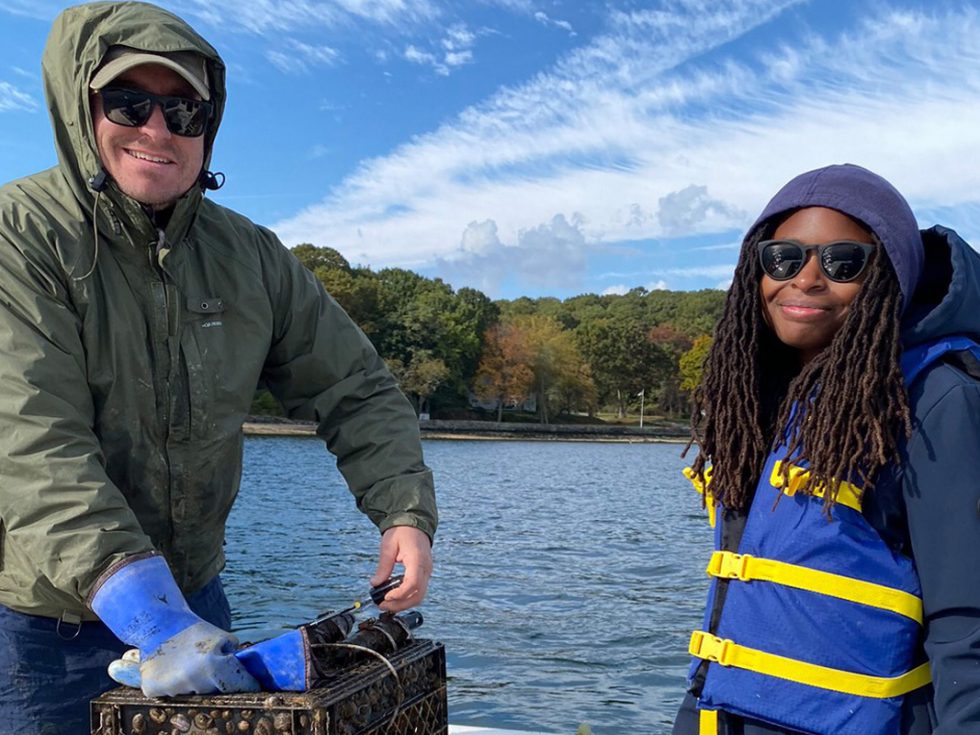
(465, 729)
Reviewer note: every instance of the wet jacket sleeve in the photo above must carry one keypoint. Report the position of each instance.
(61, 514)
(942, 493)
(324, 369)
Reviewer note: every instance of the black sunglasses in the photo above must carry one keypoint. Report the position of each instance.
(133, 108)
(840, 261)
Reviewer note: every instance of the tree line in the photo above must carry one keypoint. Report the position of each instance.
(581, 355)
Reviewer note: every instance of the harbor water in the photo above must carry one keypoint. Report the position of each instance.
(568, 576)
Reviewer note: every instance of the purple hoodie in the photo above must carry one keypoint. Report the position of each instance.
(866, 197)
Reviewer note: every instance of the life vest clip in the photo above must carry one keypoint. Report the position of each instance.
(711, 648)
(730, 566)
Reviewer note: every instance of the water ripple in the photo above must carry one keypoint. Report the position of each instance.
(568, 576)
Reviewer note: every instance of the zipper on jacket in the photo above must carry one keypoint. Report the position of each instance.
(170, 321)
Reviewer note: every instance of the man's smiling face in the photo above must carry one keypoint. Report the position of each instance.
(149, 163)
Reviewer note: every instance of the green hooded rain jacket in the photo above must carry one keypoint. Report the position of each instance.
(129, 357)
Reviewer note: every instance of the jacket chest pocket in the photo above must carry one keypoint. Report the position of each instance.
(207, 312)
(204, 348)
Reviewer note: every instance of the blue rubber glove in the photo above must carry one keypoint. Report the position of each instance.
(179, 652)
(280, 664)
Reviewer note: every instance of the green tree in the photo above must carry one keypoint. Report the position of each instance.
(623, 359)
(421, 314)
(314, 257)
(692, 362)
(420, 378)
(357, 291)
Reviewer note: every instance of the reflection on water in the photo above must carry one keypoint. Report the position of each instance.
(568, 575)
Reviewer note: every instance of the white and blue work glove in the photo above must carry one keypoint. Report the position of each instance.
(179, 653)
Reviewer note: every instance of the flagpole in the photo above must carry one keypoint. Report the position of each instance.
(641, 406)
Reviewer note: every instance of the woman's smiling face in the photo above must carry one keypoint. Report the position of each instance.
(806, 311)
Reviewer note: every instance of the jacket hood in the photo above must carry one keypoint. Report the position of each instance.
(78, 42)
(865, 197)
(947, 301)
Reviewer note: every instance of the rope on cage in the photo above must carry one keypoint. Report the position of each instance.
(400, 697)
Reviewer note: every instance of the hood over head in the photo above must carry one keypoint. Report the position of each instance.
(86, 37)
(865, 197)
(947, 301)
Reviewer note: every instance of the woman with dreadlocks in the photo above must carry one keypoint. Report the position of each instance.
(837, 422)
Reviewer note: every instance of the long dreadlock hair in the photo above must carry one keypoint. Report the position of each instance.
(844, 413)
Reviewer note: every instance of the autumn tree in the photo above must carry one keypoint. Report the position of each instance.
(504, 374)
(582, 352)
(559, 369)
(666, 382)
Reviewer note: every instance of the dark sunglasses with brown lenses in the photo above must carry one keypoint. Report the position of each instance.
(133, 107)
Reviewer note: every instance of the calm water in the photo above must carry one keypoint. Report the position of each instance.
(568, 576)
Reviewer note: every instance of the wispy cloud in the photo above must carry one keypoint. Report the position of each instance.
(651, 130)
(319, 151)
(545, 20)
(40, 9)
(299, 57)
(13, 99)
(265, 16)
(453, 50)
(515, 158)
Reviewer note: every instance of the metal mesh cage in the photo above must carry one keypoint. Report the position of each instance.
(363, 699)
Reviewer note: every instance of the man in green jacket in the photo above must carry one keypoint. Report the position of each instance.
(137, 318)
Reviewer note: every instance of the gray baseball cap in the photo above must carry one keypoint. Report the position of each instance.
(120, 59)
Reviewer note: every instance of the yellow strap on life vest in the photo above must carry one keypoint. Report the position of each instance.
(728, 653)
(709, 499)
(847, 494)
(708, 722)
(745, 567)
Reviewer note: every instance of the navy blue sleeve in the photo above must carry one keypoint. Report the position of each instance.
(942, 491)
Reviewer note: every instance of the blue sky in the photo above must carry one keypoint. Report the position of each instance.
(551, 147)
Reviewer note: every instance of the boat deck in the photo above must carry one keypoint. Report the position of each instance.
(467, 730)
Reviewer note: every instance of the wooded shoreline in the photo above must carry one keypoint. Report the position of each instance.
(493, 431)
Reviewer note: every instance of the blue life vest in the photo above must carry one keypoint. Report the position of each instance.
(822, 621)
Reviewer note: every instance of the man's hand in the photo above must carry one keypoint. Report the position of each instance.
(411, 548)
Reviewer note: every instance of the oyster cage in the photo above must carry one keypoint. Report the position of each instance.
(364, 699)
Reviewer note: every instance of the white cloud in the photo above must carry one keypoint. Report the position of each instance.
(644, 138)
(299, 57)
(458, 37)
(40, 9)
(452, 51)
(417, 56)
(621, 288)
(707, 271)
(552, 254)
(458, 58)
(545, 20)
(319, 151)
(270, 16)
(691, 210)
(617, 290)
(13, 99)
